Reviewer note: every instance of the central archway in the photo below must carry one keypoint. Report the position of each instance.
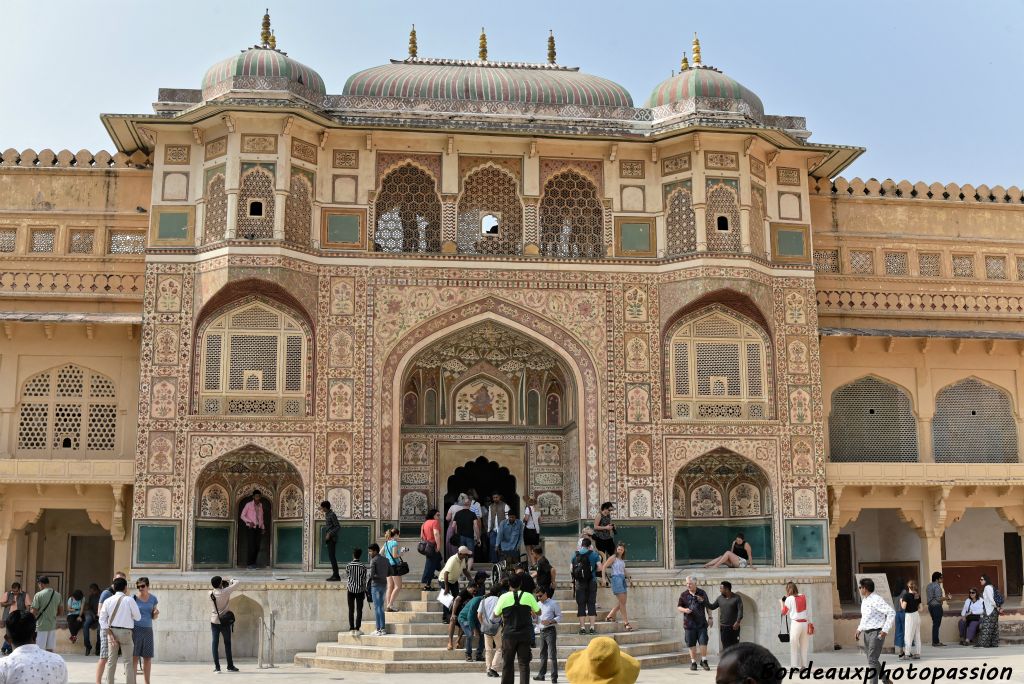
(224, 487)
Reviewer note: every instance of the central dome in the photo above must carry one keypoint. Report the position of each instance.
(485, 81)
(262, 68)
(704, 89)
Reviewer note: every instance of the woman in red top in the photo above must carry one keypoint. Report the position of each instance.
(795, 606)
(430, 546)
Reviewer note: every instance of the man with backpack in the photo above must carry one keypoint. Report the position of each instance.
(490, 630)
(516, 609)
(584, 577)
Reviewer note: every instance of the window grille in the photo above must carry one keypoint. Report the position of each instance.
(973, 423)
(722, 202)
(408, 212)
(8, 239)
(862, 262)
(896, 263)
(995, 267)
(826, 260)
(54, 403)
(571, 218)
(215, 219)
(680, 221)
(42, 240)
(254, 357)
(256, 184)
(963, 266)
(81, 242)
(1020, 268)
(929, 264)
(490, 190)
(872, 420)
(298, 211)
(726, 358)
(126, 242)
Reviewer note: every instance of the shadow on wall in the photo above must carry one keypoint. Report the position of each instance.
(245, 637)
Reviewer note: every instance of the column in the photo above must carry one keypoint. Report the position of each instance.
(931, 554)
(924, 440)
(232, 172)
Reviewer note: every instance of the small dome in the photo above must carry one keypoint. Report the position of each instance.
(475, 81)
(262, 68)
(703, 89)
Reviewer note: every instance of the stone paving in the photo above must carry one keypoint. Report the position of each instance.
(82, 670)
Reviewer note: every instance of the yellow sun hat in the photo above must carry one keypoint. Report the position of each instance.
(601, 662)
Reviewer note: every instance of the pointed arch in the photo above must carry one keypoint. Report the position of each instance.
(256, 204)
(407, 211)
(215, 211)
(680, 219)
(872, 419)
(490, 188)
(571, 217)
(67, 409)
(722, 211)
(974, 422)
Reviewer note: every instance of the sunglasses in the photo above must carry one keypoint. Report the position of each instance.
(141, 586)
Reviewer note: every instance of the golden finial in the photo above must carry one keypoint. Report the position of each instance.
(696, 49)
(273, 41)
(551, 47)
(413, 50)
(684, 65)
(483, 45)
(265, 34)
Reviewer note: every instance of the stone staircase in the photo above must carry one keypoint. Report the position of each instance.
(416, 641)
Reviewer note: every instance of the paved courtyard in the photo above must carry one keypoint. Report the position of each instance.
(82, 669)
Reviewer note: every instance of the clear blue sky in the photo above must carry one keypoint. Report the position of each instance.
(931, 89)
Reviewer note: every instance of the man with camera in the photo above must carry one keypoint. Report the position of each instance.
(222, 620)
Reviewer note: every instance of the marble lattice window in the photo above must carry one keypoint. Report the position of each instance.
(680, 220)
(718, 368)
(81, 242)
(298, 209)
(8, 239)
(995, 267)
(722, 213)
(896, 264)
(64, 409)
(126, 242)
(974, 423)
(963, 265)
(490, 192)
(571, 218)
(862, 261)
(42, 240)
(254, 361)
(871, 420)
(408, 212)
(929, 264)
(826, 260)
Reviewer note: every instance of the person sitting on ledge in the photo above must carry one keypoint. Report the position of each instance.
(739, 556)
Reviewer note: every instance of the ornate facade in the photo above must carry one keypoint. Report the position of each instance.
(677, 307)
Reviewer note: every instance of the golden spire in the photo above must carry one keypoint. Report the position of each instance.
(413, 50)
(551, 47)
(684, 65)
(696, 49)
(483, 45)
(265, 34)
(273, 41)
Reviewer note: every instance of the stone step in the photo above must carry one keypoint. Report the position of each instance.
(443, 654)
(450, 666)
(568, 640)
(435, 626)
(434, 605)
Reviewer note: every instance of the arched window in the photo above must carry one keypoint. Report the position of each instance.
(215, 220)
(67, 410)
(256, 205)
(490, 214)
(430, 407)
(871, 420)
(408, 212)
(554, 405)
(571, 218)
(298, 211)
(723, 216)
(718, 367)
(974, 423)
(254, 362)
(533, 408)
(680, 221)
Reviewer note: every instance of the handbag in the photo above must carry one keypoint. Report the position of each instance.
(810, 629)
(784, 634)
(401, 568)
(426, 548)
(227, 618)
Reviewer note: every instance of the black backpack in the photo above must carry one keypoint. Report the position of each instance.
(582, 571)
(517, 619)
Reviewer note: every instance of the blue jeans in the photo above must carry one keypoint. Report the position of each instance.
(216, 631)
(377, 594)
(468, 629)
(493, 537)
(897, 640)
(468, 542)
(431, 565)
(91, 623)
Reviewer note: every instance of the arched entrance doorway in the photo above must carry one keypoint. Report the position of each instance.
(715, 497)
(490, 408)
(224, 487)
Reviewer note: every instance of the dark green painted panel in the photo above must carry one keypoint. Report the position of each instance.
(635, 237)
(571, 529)
(343, 228)
(790, 242)
(157, 544)
(808, 542)
(212, 545)
(351, 536)
(288, 546)
(702, 541)
(642, 542)
(173, 225)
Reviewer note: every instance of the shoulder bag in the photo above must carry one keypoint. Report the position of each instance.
(784, 634)
(399, 567)
(227, 618)
(52, 594)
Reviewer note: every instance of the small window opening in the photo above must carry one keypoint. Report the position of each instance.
(256, 208)
(871, 412)
(65, 443)
(490, 223)
(974, 413)
(722, 222)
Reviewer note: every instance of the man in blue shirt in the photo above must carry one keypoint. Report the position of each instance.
(584, 576)
(510, 536)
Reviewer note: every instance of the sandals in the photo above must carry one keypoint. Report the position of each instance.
(628, 627)
(609, 618)
(451, 646)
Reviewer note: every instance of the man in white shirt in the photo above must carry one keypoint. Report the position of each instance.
(29, 664)
(118, 615)
(876, 619)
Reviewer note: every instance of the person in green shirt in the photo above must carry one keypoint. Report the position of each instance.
(45, 605)
(516, 609)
